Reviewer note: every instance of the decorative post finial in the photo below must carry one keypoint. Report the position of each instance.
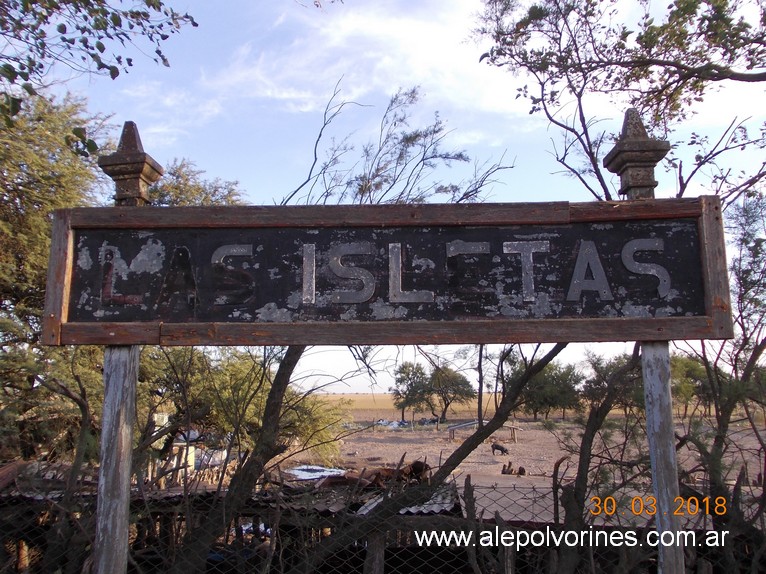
(634, 157)
(132, 169)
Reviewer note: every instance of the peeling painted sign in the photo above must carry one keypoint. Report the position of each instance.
(474, 273)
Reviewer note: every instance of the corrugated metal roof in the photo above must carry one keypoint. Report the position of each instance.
(444, 500)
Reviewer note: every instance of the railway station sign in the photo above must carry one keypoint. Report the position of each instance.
(539, 272)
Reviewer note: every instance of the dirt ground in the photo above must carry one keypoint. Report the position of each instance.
(535, 449)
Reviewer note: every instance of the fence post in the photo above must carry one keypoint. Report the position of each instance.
(132, 171)
(633, 158)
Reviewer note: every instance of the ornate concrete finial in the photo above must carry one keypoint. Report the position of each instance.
(634, 157)
(132, 170)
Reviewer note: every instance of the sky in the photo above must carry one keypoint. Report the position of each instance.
(244, 95)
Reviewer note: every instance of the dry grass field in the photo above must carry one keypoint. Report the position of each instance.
(368, 407)
(536, 448)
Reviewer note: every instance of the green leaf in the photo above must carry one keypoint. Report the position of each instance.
(61, 28)
(14, 106)
(80, 133)
(100, 46)
(8, 72)
(114, 71)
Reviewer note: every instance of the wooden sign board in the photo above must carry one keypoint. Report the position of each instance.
(491, 273)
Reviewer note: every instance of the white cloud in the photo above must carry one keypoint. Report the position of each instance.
(169, 114)
(375, 49)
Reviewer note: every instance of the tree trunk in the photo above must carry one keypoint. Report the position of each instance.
(573, 495)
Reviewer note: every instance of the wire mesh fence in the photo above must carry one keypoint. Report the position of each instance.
(342, 528)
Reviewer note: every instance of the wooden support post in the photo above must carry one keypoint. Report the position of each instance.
(120, 378)
(374, 561)
(655, 366)
(132, 171)
(633, 158)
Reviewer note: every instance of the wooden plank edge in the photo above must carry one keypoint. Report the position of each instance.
(57, 282)
(110, 334)
(478, 214)
(322, 216)
(453, 332)
(714, 267)
(637, 209)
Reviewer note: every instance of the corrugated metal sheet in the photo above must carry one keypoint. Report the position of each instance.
(444, 501)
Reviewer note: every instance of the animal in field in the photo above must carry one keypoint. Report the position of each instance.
(417, 471)
(497, 446)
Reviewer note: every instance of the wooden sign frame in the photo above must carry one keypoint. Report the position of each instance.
(712, 322)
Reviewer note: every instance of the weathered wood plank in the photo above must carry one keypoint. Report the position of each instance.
(58, 280)
(660, 433)
(133, 171)
(636, 209)
(635, 157)
(713, 246)
(110, 334)
(112, 532)
(389, 333)
(374, 561)
(321, 215)
(381, 215)
(462, 332)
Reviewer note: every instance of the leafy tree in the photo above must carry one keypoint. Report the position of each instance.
(175, 382)
(39, 173)
(573, 51)
(50, 398)
(732, 384)
(311, 422)
(447, 388)
(84, 35)
(604, 459)
(554, 388)
(663, 65)
(183, 184)
(410, 387)
(568, 52)
(49, 391)
(688, 378)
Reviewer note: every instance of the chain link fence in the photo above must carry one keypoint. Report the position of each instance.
(344, 528)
